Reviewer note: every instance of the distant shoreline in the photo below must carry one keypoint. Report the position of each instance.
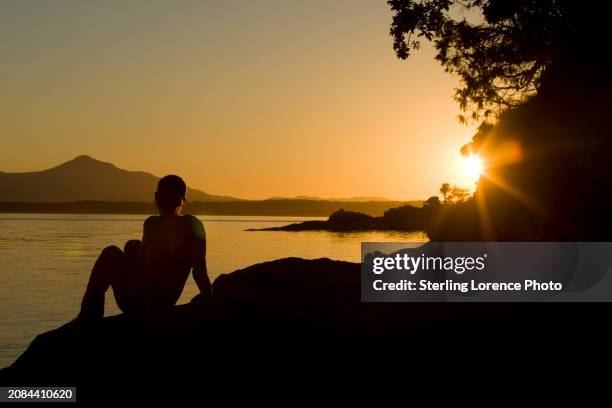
(281, 207)
(404, 218)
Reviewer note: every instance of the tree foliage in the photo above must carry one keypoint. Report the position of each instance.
(458, 195)
(432, 202)
(445, 190)
(451, 194)
(501, 58)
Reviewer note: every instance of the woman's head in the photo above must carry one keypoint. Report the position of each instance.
(170, 194)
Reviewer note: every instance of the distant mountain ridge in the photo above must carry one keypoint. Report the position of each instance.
(347, 199)
(87, 179)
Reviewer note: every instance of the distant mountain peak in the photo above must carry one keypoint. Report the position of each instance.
(87, 179)
(85, 162)
(84, 157)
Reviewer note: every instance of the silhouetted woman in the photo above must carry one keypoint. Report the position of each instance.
(150, 275)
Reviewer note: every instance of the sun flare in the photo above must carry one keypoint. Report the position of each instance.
(473, 167)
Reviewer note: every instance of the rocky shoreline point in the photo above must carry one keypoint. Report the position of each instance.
(404, 218)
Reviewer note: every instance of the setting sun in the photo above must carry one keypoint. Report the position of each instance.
(473, 167)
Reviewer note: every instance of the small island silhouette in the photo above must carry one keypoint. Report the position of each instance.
(405, 218)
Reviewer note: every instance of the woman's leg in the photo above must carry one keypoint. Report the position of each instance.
(128, 286)
(109, 264)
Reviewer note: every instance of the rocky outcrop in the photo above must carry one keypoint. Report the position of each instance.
(404, 218)
(275, 315)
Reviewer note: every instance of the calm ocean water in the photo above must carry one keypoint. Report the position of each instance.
(45, 261)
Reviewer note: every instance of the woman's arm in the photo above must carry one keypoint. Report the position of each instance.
(144, 262)
(200, 273)
(200, 276)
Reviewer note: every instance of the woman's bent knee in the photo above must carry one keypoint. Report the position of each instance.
(109, 257)
(112, 250)
(132, 248)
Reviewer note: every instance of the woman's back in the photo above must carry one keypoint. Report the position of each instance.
(170, 245)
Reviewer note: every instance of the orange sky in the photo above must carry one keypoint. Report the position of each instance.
(242, 98)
